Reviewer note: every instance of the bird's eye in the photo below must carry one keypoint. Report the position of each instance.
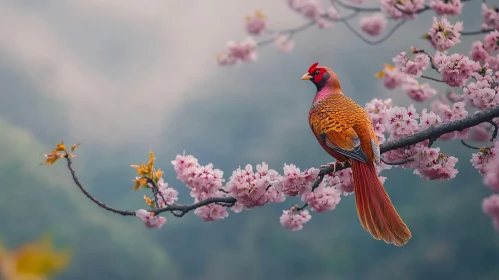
(317, 72)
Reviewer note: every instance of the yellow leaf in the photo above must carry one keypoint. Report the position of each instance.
(389, 67)
(150, 164)
(158, 174)
(141, 170)
(53, 157)
(259, 14)
(35, 260)
(60, 147)
(379, 75)
(139, 183)
(147, 200)
(74, 147)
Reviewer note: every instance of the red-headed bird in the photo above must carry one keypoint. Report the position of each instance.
(345, 131)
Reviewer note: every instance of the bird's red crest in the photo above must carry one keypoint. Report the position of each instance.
(312, 68)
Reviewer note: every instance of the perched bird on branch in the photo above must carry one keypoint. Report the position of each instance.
(345, 131)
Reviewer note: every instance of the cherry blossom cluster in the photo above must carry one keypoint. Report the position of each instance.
(398, 122)
(443, 35)
(250, 188)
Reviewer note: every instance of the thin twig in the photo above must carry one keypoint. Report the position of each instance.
(95, 200)
(379, 41)
(469, 146)
(478, 32)
(433, 66)
(496, 128)
(355, 8)
(397, 162)
(431, 78)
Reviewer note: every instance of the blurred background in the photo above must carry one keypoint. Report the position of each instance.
(126, 76)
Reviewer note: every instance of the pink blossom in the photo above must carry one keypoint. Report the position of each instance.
(402, 121)
(490, 17)
(294, 219)
(244, 51)
(333, 13)
(238, 207)
(166, 195)
(443, 35)
(429, 119)
(253, 189)
(491, 41)
(322, 199)
(225, 59)
(454, 97)
(310, 9)
(480, 93)
(440, 169)
(478, 51)
(346, 181)
(442, 7)
(410, 7)
(456, 69)
(491, 176)
(480, 133)
(284, 43)
(256, 23)
(150, 221)
(490, 206)
(295, 182)
(493, 62)
(374, 24)
(182, 164)
(457, 112)
(414, 66)
(486, 154)
(454, 113)
(418, 92)
(211, 212)
(392, 77)
(425, 156)
(400, 154)
(376, 109)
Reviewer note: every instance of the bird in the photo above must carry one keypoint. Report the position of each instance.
(343, 128)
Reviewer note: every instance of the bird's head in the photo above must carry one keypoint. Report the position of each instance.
(322, 77)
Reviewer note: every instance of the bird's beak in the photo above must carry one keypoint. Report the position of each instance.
(306, 76)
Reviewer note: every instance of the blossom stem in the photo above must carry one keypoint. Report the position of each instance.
(478, 32)
(469, 146)
(496, 128)
(431, 78)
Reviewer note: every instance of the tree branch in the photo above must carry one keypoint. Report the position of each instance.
(478, 32)
(179, 210)
(431, 78)
(95, 200)
(469, 146)
(496, 128)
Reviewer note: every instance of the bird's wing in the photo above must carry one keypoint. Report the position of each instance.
(335, 133)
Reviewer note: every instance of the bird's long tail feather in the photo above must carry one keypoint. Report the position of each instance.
(375, 209)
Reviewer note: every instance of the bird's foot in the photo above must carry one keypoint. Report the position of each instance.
(328, 164)
(333, 164)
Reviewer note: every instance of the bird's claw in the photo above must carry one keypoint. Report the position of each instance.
(328, 164)
(334, 165)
